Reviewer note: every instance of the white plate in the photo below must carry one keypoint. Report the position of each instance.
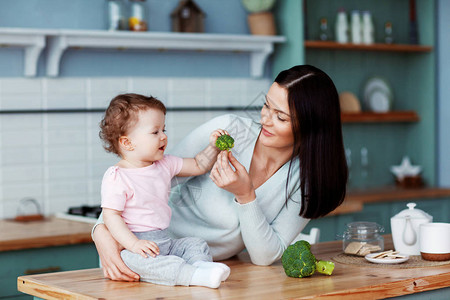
(379, 101)
(376, 83)
(370, 258)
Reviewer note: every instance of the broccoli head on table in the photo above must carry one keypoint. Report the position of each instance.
(298, 261)
(225, 142)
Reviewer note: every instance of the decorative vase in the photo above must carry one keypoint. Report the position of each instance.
(262, 23)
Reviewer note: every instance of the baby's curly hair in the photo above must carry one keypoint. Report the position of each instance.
(121, 114)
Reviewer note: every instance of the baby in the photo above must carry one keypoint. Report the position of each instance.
(135, 195)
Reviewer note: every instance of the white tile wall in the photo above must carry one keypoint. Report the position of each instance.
(58, 158)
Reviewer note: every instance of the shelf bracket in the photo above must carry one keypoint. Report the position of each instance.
(258, 61)
(32, 41)
(32, 54)
(56, 47)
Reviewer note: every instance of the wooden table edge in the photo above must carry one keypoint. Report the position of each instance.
(29, 285)
(390, 289)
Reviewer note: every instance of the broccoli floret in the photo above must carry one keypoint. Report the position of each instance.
(298, 261)
(225, 142)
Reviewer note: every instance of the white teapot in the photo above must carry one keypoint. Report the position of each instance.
(405, 229)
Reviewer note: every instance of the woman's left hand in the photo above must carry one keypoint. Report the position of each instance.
(237, 182)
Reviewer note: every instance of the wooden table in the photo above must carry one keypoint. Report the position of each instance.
(248, 281)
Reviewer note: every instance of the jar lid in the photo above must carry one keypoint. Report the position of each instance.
(413, 213)
(364, 227)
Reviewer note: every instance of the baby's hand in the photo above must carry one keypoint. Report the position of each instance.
(144, 247)
(215, 134)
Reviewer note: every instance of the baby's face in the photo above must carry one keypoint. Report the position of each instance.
(148, 136)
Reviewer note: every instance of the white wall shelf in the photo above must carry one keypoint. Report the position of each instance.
(32, 40)
(258, 47)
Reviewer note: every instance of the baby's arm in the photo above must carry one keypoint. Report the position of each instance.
(119, 230)
(205, 159)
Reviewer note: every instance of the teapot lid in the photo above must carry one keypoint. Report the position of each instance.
(412, 213)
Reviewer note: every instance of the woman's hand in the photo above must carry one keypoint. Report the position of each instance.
(109, 251)
(237, 182)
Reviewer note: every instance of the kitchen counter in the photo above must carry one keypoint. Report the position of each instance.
(250, 281)
(38, 234)
(355, 200)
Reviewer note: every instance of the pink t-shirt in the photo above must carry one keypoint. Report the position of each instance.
(141, 194)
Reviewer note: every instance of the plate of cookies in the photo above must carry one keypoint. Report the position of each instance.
(387, 257)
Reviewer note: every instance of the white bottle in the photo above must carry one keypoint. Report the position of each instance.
(341, 27)
(356, 27)
(368, 29)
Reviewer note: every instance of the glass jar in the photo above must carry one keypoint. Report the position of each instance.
(363, 234)
(137, 20)
(116, 15)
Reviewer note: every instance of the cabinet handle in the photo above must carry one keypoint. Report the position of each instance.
(42, 270)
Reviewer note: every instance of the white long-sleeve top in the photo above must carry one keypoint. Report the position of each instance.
(265, 226)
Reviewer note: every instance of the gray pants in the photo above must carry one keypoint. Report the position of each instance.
(173, 266)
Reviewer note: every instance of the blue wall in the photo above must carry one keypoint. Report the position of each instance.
(443, 91)
(222, 16)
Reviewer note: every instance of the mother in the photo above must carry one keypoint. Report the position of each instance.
(287, 169)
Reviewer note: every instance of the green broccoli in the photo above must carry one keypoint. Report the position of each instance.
(298, 261)
(225, 142)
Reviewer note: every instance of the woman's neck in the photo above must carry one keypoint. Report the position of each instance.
(274, 158)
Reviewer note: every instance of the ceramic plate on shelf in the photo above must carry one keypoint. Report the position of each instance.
(378, 88)
(379, 100)
(370, 257)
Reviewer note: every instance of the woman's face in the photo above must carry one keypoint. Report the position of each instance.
(276, 129)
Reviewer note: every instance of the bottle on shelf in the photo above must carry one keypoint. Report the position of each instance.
(356, 27)
(341, 27)
(388, 34)
(324, 31)
(364, 167)
(137, 20)
(368, 35)
(116, 15)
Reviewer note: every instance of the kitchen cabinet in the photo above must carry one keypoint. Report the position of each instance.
(49, 245)
(409, 69)
(42, 260)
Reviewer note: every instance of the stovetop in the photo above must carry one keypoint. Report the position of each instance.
(85, 213)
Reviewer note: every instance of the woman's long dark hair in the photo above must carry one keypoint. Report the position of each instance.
(316, 124)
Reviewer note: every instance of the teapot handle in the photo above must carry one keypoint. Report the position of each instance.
(409, 235)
